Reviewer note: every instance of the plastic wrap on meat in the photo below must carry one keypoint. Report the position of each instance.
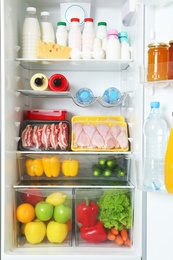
(63, 136)
(37, 135)
(46, 136)
(27, 137)
(54, 136)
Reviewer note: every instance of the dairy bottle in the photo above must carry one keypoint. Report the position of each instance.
(125, 48)
(101, 30)
(74, 36)
(88, 34)
(113, 45)
(30, 34)
(47, 31)
(61, 34)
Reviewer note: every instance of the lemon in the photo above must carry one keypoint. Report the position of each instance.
(56, 232)
(56, 198)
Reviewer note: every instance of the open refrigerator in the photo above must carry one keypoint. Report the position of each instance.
(144, 21)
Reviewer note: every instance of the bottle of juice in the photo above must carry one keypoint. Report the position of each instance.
(168, 167)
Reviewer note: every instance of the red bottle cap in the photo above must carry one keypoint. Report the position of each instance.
(75, 20)
(88, 20)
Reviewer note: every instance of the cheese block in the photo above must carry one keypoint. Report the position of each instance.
(53, 51)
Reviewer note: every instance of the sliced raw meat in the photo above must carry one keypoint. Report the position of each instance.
(111, 142)
(27, 134)
(122, 139)
(103, 130)
(97, 140)
(115, 130)
(83, 140)
(63, 136)
(37, 134)
(89, 130)
(54, 136)
(45, 138)
(77, 129)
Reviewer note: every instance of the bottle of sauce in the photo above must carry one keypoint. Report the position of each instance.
(158, 56)
(39, 82)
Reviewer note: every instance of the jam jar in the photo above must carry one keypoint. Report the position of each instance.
(158, 56)
(170, 64)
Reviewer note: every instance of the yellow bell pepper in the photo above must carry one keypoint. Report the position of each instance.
(51, 166)
(34, 167)
(70, 167)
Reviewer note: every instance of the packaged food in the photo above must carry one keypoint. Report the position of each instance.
(41, 114)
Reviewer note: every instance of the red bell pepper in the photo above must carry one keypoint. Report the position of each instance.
(87, 213)
(94, 234)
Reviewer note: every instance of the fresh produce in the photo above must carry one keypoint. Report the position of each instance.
(107, 172)
(119, 237)
(34, 167)
(32, 196)
(25, 213)
(94, 234)
(35, 231)
(44, 210)
(62, 213)
(87, 213)
(51, 166)
(115, 209)
(56, 232)
(56, 198)
(96, 171)
(70, 167)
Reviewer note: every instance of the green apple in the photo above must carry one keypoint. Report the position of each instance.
(44, 210)
(62, 213)
(56, 232)
(35, 231)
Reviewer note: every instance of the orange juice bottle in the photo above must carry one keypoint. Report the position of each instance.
(168, 167)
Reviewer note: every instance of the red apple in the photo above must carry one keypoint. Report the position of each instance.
(32, 195)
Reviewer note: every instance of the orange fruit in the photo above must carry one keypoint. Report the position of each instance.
(25, 213)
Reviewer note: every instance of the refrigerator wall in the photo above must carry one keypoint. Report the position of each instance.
(97, 75)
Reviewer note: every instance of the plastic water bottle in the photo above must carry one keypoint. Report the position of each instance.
(75, 36)
(47, 31)
(61, 34)
(156, 135)
(125, 48)
(112, 96)
(101, 30)
(113, 50)
(30, 34)
(84, 96)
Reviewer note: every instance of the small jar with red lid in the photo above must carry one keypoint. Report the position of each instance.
(158, 57)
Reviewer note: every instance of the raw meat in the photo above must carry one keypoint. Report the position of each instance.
(77, 129)
(45, 138)
(97, 140)
(63, 136)
(110, 142)
(89, 130)
(115, 130)
(27, 134)
(122, 138)
(103, 130)
(37, 134)
(83, 140)
(54, 136)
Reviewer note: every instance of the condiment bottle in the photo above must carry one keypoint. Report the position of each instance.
(58, 82)
(158, 56)
(47, 31)
(61, 34)
(170, 64)
(113, 45)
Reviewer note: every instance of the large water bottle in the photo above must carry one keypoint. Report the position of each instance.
(156, 135)
(84, 96)
(112, 96)
(30, 34)
(46, 26)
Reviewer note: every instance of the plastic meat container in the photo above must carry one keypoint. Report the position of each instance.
(99, 133)
(44, 136)
(109, 210)
(42, 204)
(39, 114)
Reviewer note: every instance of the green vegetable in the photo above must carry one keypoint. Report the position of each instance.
(115, 209)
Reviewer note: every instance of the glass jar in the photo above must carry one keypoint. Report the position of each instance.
(170, 65)
(158, 56)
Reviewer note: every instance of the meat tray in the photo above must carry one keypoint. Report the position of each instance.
(37, 135)
(99, 133)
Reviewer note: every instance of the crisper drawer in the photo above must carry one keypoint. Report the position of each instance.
(42, 217)
(104, 217)
(76, 169)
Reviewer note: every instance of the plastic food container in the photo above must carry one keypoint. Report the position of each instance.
(44, 204)
(99, 133)
(112, 211)
(39, 114)
(44, 136)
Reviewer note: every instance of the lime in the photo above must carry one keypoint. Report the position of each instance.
(119, 172)
(107, 172)
(97, 171)
(111, 163)
(102, 162)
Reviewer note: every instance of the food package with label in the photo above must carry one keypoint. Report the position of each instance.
(99, 133)
(44, 135)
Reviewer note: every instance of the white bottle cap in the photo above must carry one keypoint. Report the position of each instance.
(45, 13)
(31, 9)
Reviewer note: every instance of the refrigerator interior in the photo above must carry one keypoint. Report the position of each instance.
(97, 75)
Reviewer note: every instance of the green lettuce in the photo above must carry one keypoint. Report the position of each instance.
(115, 209)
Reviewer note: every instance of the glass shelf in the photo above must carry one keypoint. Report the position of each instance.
(71, 64)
